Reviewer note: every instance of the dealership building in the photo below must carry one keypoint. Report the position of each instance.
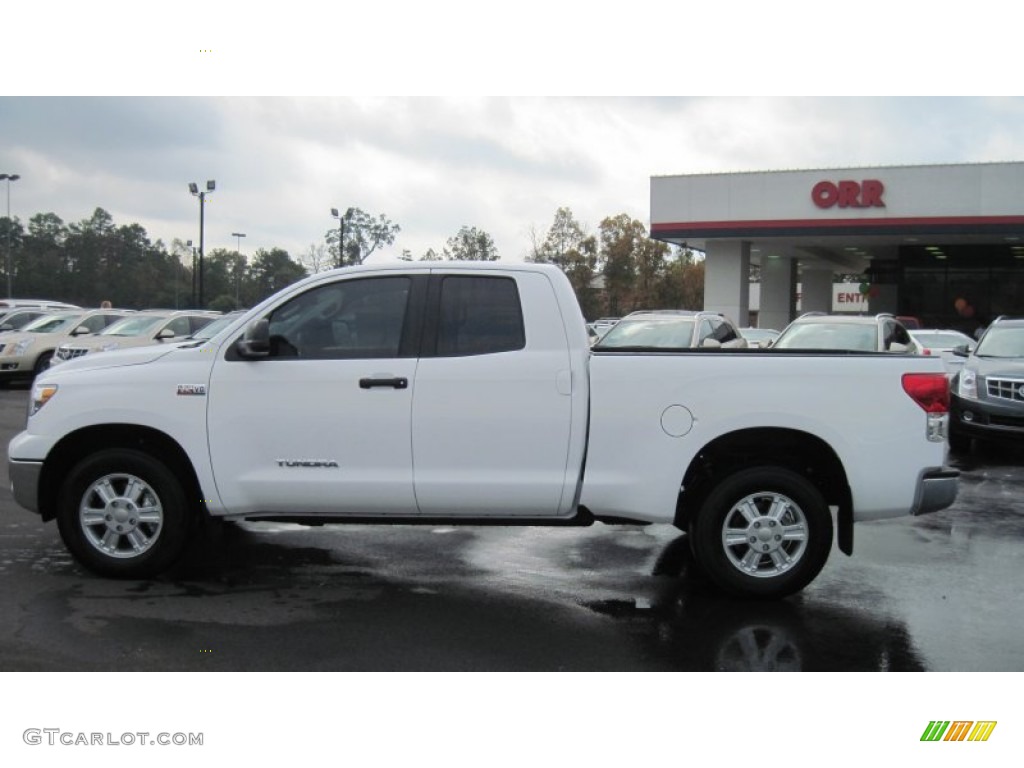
(944, 243)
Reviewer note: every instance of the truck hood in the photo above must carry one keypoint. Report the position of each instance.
(115, 359)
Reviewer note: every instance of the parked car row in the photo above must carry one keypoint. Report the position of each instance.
(137, 330)
(683, 329)
(34, 338)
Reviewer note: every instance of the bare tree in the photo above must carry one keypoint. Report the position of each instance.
(316, 259)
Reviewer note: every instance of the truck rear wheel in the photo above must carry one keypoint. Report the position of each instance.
(123, 513)
(763, 532)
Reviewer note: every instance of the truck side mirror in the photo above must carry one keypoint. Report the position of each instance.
(165, 333)
(255, 343)
(962, 350)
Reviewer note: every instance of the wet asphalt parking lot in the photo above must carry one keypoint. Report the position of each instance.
(941, 592)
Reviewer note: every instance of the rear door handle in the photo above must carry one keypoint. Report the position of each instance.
(397, 382)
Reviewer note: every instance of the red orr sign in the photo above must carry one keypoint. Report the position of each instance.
(848, 194)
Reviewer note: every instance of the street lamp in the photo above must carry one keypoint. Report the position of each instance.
(238, 272)
(9, 177)
(341, 232)
(192, 301)
(194, 189)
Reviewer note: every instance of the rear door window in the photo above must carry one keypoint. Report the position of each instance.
(479, 316)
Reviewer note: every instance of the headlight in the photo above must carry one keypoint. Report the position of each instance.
(41, 395)
(16, 350)
(968, 386)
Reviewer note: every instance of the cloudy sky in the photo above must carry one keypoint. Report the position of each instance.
(437, 154)
(434, 164)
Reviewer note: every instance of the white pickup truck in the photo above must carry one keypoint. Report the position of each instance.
(468, 393)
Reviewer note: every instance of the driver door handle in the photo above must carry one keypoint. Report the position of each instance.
(397, 382)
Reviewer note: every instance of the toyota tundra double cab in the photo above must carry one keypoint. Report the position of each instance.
(468, 393)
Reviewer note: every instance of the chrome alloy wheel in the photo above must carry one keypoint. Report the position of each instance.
(765, 534)
(121, 515)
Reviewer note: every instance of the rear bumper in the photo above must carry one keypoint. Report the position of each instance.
(936, 489)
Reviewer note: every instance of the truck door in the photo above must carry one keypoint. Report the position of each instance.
(491, 411)
(322, 424)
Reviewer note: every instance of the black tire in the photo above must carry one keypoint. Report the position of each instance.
(778, 528)
(42, 363)
(123, 513)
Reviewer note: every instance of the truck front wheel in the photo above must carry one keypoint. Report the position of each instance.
(762, 532)
(123, 513)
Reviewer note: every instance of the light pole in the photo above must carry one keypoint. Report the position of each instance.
(9, 177)
(194, 189)
(238, 271)
(192, 299)
(341, 233)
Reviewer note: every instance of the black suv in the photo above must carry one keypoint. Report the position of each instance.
(987, 395)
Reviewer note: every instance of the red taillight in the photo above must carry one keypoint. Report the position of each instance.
(929, 390)
(926, 351)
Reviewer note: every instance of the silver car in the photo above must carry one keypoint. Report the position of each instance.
(855, 333)
(671, 329)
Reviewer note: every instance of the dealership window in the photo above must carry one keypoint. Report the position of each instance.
(966, 288)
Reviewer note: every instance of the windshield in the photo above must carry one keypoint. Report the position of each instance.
(18, 320)
(132, 326)
(211, 329)
(1001, 342)
(825, 336)
(661, 332)
(756, 334)
(52, 323)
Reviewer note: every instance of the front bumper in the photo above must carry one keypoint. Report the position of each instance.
(14, 368)
(936, 489)
(986, 419)
(25, 482)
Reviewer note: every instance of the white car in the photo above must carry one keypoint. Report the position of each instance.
(672, 329)
(853, 333)
(759, 337)
(941, 343)
(53, 306)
